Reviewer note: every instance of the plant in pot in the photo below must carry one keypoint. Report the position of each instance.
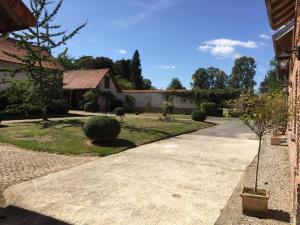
(257, 113)
(281, 113)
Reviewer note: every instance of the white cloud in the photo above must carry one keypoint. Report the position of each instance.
(262, 43)
(265, 36)
(225, 48)
(121, 51)
(166, 67)
(147, 10)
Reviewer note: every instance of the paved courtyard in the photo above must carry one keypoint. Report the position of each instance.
(184, 180)
(19, 165)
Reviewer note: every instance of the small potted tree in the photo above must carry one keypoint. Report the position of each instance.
(280, 116)
(257, 113)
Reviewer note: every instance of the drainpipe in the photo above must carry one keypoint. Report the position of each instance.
(4, 36)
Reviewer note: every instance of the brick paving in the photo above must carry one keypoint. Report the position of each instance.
(19, 165)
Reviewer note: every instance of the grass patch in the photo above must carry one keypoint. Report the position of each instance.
(67, 137)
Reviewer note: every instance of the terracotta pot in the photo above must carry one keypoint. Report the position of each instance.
(255, 203)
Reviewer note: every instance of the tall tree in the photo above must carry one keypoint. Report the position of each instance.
(270, 83)
(243, 72)
(147, 84)
(66, 60)
(216, 78)
(175, 85)
(122, 69)
(200, 79)
(136, 71)
(38, 43)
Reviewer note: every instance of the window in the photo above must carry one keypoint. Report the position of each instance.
(107, 82)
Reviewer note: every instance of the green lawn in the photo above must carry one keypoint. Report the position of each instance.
(66, 137)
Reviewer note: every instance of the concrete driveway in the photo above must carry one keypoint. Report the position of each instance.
(184, 180)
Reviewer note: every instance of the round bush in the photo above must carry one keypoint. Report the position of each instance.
(210, 108)
(119, 111)
(91, 107)
(102, 128)
(199, 115)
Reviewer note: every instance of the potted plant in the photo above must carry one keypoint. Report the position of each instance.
(257, 113)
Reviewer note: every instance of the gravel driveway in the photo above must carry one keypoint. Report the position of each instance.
(184, 180)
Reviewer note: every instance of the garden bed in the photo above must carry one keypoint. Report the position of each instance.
(66, 136)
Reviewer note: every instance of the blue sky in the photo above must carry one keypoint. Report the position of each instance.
(174, 37)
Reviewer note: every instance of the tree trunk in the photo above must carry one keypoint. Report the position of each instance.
(45, 115)
(257, 165)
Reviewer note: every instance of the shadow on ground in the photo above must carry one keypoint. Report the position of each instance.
(273, 214)
(118, 143)
(19, 216)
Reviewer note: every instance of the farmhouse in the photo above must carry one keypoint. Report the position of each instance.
(8, 62)
(76, 83)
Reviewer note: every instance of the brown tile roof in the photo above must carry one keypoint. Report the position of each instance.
(9, 46)
(83, 79)
(14, 15)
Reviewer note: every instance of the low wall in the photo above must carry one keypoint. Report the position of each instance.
(153, 101)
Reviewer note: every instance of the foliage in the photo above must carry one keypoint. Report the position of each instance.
(38, 43)
(147, 84)
(91, 107)
(122, 70)
(200, 79)
(136, 71)
(120, 112)
(91, 99)
(210, 108)
(20, 97)
(234, 107)
(90, 62)
(130, 103)
(280, 111)
(4, 102)
(199, 115)
(242, 76)
(218, 96)
(210, 78)
(258, 114)
(270, 83)
(168, 105)
(115, 104)
(175, 85)
(66, 60)
(124, 84)
(59, 107)
(102, 128)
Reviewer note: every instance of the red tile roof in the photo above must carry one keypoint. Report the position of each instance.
(9, 46)
(83, 79)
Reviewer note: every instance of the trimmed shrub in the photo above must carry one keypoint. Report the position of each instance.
(199, 115)
(115, 104)
(120, 111)
(102, 128)
(91, 107)
(59, 107)
(210, 108)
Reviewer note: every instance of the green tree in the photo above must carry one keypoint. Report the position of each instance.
(122, 69)
(200, 79)
(85, 62)
(216, 78)
(243, 72)
(38, 43)
(147, 84)
(175, 85)
(66, 60)
(270, 83)
(257, 113)
(136, 71)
